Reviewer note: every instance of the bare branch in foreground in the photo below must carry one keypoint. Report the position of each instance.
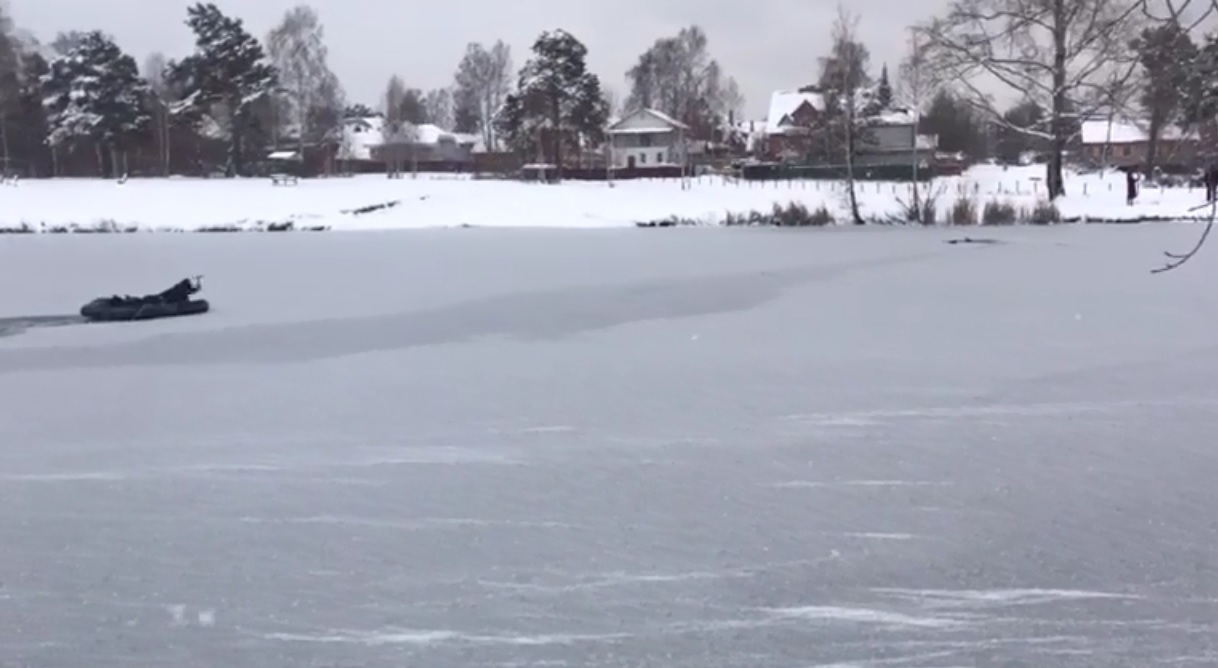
(1177, 259)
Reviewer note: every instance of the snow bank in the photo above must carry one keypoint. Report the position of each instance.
(375, 202)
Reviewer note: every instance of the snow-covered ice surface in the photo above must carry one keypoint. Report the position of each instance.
(696, 448)
(454, 201)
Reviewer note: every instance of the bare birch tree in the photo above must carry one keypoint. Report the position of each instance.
(438, 104)
(843, 78)
(731, 100)
(483, 81)
(398, 132)
(391, 104)
(917, 84)
(613, 101)
(310, 90)
(1065, 55)
(155, 67)
(678, 77)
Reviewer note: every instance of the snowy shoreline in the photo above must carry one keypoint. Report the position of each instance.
(110, 228)
(432, 201)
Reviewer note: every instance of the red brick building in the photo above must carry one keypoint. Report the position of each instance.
(789, 123)
(1126, 142)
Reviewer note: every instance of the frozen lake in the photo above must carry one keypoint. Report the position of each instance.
(700, 448)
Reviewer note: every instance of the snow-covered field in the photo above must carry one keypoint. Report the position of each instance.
(720, 448)
(448, 201)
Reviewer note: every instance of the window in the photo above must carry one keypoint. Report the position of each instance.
(642, 158)
(660, 157)
(1126, 150)
(645, 140)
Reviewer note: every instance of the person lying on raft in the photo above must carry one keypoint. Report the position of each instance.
(181, 291)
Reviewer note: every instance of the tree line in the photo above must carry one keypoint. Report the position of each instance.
(80, 105)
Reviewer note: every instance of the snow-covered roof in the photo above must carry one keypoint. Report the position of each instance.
(784, 102)
(361, 134)
(1127, 131)
(428, 133)
(666, 120)
(896, 116)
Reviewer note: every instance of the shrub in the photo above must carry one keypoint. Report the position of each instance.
(794, 214)
(921, 210)
(822, 217)
(999, 213)
(671, 221)
(964, 211)
(1044, 213)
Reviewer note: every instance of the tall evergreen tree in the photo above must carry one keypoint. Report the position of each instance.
(1016, 133)
(955, 123)
(557, 101)
(229, 68)
(412, 108)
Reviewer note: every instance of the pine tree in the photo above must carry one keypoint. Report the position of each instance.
(557, 101)
(883, 91)
(94, 92)
(412, 108)
(229, 68)
(184, 111)
(123, 100)
(955, 123)
(1166, 54)
(66, 94)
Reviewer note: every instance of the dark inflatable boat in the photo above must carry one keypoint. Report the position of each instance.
(172, 302)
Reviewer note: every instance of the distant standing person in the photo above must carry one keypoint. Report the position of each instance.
(1211, 182)
(1131, 185)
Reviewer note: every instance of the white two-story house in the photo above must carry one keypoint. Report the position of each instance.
(646, 138)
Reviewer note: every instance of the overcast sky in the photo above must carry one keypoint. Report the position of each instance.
(764, 44)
